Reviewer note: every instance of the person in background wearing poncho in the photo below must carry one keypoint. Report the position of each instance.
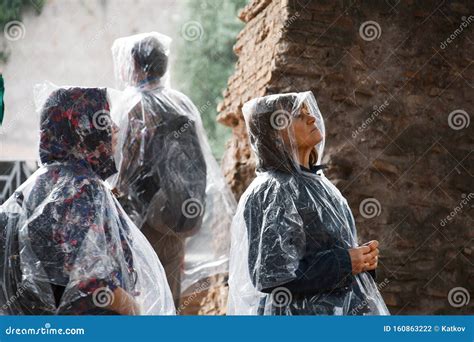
(294, 247)
(168, 181)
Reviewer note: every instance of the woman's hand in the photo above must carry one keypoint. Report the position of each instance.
(123, 303)
(374, 248)
(364, 258)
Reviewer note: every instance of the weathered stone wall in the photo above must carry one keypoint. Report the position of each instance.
(396, 95)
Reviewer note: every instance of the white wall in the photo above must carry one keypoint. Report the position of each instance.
(69, 44)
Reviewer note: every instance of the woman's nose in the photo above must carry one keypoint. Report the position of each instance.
(311, 120)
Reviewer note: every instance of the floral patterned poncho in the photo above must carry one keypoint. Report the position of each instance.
(67, 247)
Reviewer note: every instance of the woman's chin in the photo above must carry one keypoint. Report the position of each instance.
(317, 137)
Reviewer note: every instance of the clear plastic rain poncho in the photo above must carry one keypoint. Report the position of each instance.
(67, 246)
(171, 184)
(293, 228)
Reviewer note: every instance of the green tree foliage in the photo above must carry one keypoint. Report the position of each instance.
(205, 59)
(12, 9)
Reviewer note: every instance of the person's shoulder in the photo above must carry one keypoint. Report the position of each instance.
(181, 98)
(72, 184)
(80, 179)
(269, 185)
(176, 94)
(318, 186)
(317, 180)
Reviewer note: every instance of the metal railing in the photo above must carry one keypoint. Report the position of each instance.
(13, 178)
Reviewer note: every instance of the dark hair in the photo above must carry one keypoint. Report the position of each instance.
(149, 56)
(273, 153)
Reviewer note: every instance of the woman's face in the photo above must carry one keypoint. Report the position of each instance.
(306, 132)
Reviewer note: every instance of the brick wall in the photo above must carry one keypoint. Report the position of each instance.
(394, 83)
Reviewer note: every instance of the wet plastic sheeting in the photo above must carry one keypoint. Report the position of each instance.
(170, 183)
(67, 245)
(293, 228)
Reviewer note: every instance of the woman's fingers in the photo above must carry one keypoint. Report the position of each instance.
(373, 265)
(364, 258)
(370, 257)
(358, 256)
(373, 244)
(374, 261)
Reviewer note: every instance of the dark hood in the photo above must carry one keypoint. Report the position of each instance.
(75, 126)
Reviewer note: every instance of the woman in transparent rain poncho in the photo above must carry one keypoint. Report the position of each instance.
(168, 180)
(67, 247)
(294, 244)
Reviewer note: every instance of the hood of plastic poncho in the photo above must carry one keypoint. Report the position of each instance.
(75, 126)
(141, 60)
(269, 125)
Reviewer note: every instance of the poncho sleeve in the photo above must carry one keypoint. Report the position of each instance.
(276, 236)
